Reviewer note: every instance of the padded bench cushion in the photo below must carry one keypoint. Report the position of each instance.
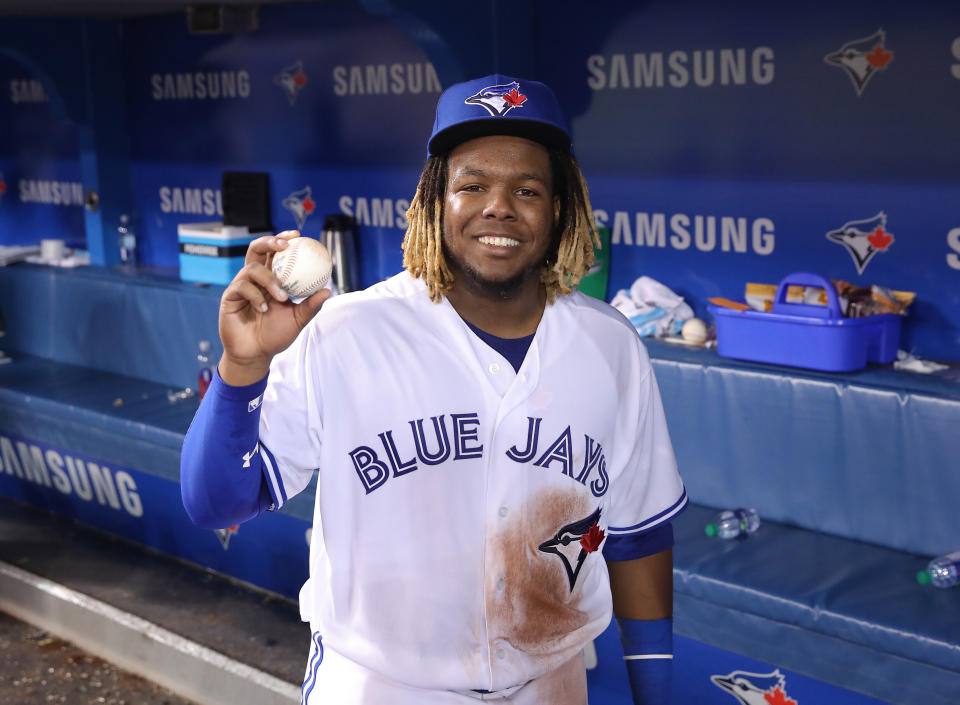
(840, 610)
(123, 420)
(76, 408)
(868, 455)
(67, 447)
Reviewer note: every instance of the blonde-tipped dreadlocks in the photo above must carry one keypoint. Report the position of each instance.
(570, 254)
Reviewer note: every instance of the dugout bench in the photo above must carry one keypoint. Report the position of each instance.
(854, 476)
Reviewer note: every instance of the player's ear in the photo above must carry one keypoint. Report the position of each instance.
(556, 209)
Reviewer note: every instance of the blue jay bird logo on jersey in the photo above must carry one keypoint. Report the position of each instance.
(499, 100)
(862, 58)
(301, 204)
(755, 688)
(573, 542)
(863, 239)
(292, 79)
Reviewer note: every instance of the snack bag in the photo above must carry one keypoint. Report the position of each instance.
(760, 297)
(858, 301)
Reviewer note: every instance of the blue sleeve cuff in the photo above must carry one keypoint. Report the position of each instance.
(626, 547)
(643, 637)
(250, 392)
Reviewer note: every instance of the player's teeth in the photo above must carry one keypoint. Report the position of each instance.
(499, 241)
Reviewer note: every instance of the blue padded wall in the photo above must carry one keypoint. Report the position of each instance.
(864, 455)
(134, 325)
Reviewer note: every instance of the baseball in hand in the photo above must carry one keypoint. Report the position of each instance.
(303, 268)
(694, 331)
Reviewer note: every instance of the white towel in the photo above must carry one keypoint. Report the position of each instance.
(653, 309)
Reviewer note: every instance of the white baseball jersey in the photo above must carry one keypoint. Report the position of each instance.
(460, 506)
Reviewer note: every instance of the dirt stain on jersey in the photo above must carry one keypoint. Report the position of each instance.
(535, 607)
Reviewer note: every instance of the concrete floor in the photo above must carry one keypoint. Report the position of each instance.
(37, 668)
(247, 626)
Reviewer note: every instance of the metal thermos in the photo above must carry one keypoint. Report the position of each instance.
(339, 236)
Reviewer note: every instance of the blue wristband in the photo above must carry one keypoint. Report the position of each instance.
(648, 653)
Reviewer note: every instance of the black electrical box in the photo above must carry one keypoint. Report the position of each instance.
(246, 200)
(222, 19)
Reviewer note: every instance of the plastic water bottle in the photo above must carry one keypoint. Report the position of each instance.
(204, 369)
(734, 523)
(127, 240)
(943, 572)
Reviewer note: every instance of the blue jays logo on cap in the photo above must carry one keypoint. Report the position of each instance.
(499, 100)
(498, 105)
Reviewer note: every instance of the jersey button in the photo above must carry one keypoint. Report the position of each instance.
(501, 583)
(501, 654)
(503, 511)
(494, 368)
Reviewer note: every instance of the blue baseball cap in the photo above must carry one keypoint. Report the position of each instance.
(498, 105)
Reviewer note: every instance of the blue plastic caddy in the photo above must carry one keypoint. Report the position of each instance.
(807, 335)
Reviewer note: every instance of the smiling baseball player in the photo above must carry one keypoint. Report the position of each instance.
(494, 472)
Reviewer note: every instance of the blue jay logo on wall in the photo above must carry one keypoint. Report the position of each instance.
(755, 688)
(586, 537)
(863, 239)
(862, 58)
(225, 535)
(301, 204)
(499, 100)
(292, 79)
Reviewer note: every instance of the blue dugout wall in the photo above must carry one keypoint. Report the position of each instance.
(721, 144)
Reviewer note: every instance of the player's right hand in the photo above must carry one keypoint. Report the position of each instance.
(257, 318)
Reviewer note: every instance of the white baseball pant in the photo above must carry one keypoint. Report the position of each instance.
(333, 679)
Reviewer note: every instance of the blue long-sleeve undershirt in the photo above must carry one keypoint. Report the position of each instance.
(222, 483)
